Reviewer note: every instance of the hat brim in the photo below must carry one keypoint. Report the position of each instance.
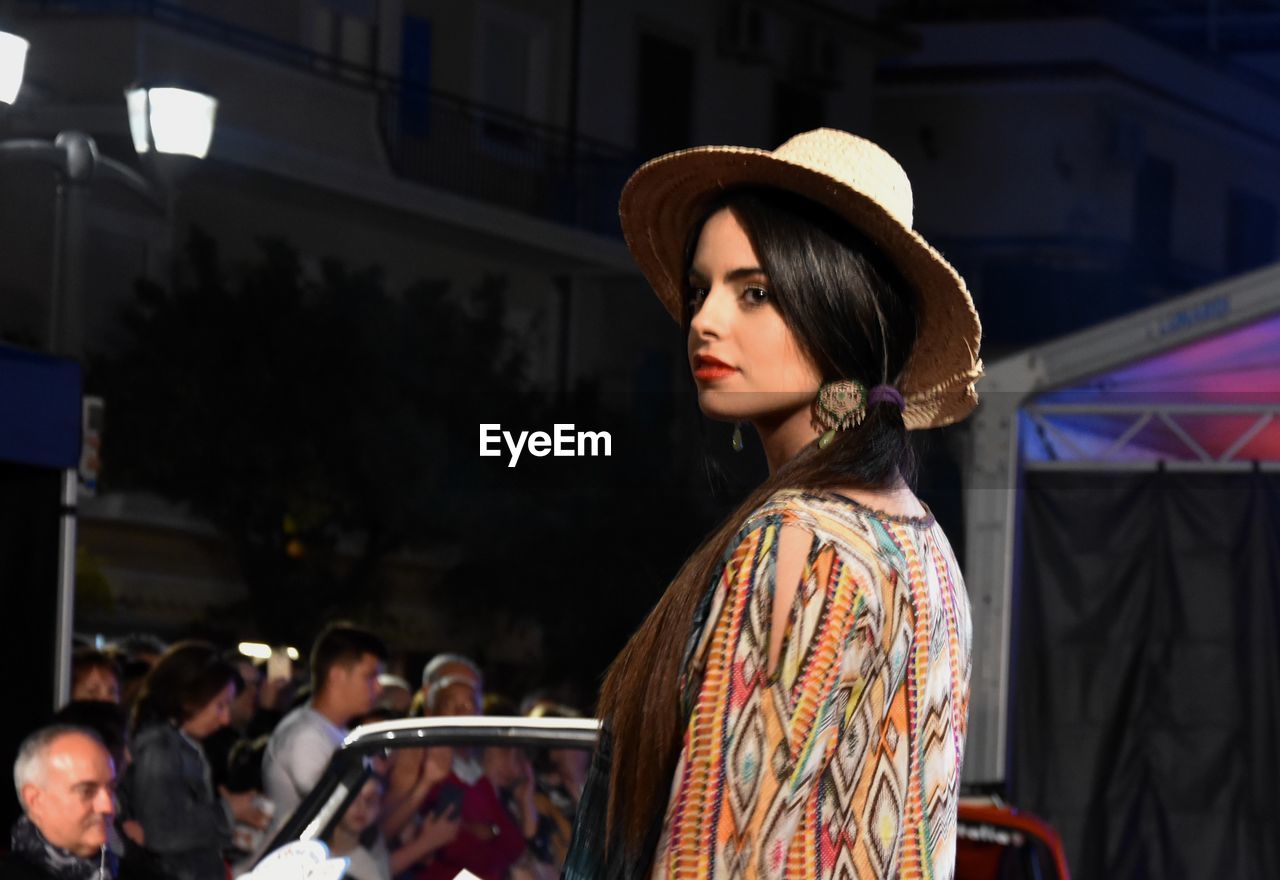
(665, 198)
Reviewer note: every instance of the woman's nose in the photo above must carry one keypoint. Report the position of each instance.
(710, 318)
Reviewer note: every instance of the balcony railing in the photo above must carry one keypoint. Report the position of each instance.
(1210, 35)
(477, 151)
(430, 136)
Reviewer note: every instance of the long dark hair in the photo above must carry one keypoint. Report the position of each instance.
(854, 316)
(184, 680)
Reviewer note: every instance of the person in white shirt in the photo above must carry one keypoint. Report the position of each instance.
(345, 664)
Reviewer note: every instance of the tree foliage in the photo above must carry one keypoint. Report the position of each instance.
(306, 416)
(321, 424)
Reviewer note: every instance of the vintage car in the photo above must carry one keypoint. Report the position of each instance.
(995, 842)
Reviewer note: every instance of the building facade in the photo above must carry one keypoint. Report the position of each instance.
(434, 140)
(1085, 160)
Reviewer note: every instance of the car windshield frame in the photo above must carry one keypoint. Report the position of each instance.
(347, 769)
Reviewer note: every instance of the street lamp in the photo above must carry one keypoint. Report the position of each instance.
(171, 129)
(170, 120)
(13, 58)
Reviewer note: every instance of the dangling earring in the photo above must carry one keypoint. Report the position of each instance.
(840, 404)
(736, 442)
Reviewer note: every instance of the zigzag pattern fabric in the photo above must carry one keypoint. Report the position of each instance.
(845, 761)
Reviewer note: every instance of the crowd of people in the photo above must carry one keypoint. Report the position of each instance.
(183, 761)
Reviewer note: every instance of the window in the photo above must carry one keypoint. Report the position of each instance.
(512, 75)
(344, 31)
(1251, 232)
(795, 109)
(415, 73)
(1153, 217)
(664, 96)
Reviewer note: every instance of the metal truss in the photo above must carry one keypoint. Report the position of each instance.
(1118, 437)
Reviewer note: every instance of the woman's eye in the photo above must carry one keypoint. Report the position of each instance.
(756, 296)
(695, 296)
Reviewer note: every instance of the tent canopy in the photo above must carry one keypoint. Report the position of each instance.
(1209, 400)
(1192, 383)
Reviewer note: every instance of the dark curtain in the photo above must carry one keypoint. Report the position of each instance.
(30, 508)
(1146, 694)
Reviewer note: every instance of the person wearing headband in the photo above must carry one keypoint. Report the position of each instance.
(796, 703)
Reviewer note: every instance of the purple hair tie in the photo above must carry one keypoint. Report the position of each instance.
(886, 394)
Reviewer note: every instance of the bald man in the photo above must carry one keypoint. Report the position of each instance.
(64, 779)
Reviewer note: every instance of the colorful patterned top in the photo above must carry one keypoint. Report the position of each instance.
(845, 763)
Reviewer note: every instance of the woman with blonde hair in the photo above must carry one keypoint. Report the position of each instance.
(795, 705)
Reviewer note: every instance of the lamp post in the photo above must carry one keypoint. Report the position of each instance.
(170, 126)
(76, 163)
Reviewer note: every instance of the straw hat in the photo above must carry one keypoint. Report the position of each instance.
(859, 182)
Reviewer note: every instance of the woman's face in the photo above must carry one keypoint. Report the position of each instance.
(570, 763)
(502, 765)
(97, 684)
(458, 699)
(363, 811)
(214, 715)
(745, 360)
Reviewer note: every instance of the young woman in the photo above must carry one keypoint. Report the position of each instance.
(168, 789)
(795, 705)
(94, 676)
(369, 859)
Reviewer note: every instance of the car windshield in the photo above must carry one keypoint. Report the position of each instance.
(426, 799)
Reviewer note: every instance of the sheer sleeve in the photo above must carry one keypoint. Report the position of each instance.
(757, 741)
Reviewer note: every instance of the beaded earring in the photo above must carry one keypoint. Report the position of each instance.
(840, 404)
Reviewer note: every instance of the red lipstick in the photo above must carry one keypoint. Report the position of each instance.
(708, 369)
